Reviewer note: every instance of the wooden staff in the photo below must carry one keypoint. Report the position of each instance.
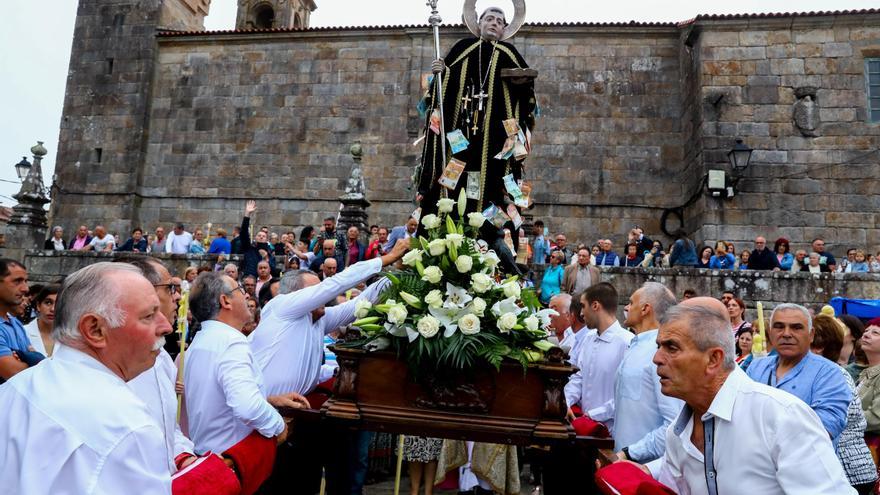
(399, 465)
(182, 310)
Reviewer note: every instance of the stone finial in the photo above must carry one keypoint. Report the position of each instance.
(39, 150)
(357, 151)
(354, 199)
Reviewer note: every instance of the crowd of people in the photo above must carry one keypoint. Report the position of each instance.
(88, 370)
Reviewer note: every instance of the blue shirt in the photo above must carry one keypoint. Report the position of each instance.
(609, 258)
(725, 262)
(552, 282)
(642, 413)
(816, 381)
(540, 250)
(13, 336)
(220, 245)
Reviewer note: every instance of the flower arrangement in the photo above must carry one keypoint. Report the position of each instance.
(451, 308)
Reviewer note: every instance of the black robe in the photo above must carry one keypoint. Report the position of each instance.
(505, 101)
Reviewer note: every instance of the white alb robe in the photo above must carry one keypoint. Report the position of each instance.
(71, 426)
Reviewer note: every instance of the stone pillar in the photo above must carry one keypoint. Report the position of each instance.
(27, 227)
(354, 200)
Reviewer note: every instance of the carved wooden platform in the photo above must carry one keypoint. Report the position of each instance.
(374, 391)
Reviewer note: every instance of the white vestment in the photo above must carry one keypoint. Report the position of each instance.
(71, 426)
(156, 388)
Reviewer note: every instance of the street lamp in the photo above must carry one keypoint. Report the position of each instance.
(739, 156)
(23, 168)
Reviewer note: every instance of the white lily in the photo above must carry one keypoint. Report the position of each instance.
(456, 297)
(505, 306)
(448, 317)
(544, 315)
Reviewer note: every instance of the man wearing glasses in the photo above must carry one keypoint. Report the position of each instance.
(763, 258)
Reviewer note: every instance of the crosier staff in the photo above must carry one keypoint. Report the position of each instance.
(182, 310)
(435, 21)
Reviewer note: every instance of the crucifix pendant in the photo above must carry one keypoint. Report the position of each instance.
(480, 96)
(476, 119)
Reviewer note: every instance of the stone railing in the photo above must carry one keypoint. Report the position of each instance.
(49, 266)
(770, 288)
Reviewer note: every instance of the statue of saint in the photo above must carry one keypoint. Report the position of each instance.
(488, 106)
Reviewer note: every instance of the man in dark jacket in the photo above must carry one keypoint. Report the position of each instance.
(136, 243)
(762, 257)
(257, 251)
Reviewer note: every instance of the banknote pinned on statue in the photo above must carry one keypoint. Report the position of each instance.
(417, 214)
(507, 151)
(514, 215)
(457, 141)
(526, 189)
(519, 151)
(514, 190)
(528, 140)
(511, 127)
(473, 185)
(435, 121)
(452, 173)
(522, 251)
(496, 216)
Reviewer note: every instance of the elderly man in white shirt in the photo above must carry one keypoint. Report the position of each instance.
(71, 424)
(750, 436)
(225, 396)
(156, 386)
(592, 386)
(178, 240)
(288, 344)
(641, 412)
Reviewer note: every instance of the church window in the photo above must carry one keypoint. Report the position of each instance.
(872, 71)
(264, 17)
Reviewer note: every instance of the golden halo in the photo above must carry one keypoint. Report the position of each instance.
(469, 15)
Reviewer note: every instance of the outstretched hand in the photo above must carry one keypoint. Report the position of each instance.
(250, 207)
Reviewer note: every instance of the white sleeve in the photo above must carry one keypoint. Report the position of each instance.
(236, 373)
(302, 302)
(168, 241)
(139, 460)
(343, 314)
(805, 460)
(573, 389)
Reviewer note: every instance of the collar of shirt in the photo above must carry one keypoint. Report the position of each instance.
(644, 338)
(220, 328)
(71, 355)
(722, 403)
(610, 332)
(792, 374)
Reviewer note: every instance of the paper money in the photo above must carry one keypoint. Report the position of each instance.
(512, 188)
(435, 121)
(511, 126)
(457, 141)
(496, 216)
(507, 151)
(417, 214)
(513, 213)
(519, 151)
(452, 173)
(473, 185)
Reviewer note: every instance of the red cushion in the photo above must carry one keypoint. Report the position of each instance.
(623, 478)
(585, 426)
(208, 475)
(254, 458)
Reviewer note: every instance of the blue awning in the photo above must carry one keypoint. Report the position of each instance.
(861, 308)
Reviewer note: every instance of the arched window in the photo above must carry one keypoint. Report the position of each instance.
(264, 17)
(297, 22)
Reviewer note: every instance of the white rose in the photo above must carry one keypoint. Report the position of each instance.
(397, 314)
(434, 299)
(491, 259)
(362, 308)
(428, 326)
(412, 257)
(431, 221)
(454, 240)
(531, 323)
(478, 305)
(464, 263)
(432, 274)
(511, 289)
(437, 247)
(506, 322)
(480, 282)
(469, 324)
(445, 205)
(476, 220)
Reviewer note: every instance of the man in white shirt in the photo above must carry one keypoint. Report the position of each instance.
(592, 386)
(71, 424)
(225, 396)
(750, 436)
(102, 241)
(178, 240)
(156, 386)
(641, 413)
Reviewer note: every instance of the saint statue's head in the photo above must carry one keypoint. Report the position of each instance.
(492, 24)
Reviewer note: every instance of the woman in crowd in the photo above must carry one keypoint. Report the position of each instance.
(705, 257)
(632, 257)
(736, 308)
(552, 282)
(742, 263)
(874, 263)
(189, 276)
(813, 265)
(56, 242)
(851, 448)
(683, 252)
(722, 260)
(220, 244)
(783, 254)
(197, 246)
(731, 248)
(869, 380)
(743, 346)
(39, 331)
(421, 456)
(851, 356)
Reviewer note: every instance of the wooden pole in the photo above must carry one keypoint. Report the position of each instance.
(399, 465)
(182, 310)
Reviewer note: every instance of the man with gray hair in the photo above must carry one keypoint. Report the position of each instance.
(748, 435)
(814, 379)
(71, 425)
(642, 413)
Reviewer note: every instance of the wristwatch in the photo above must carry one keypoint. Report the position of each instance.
(625, 451)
